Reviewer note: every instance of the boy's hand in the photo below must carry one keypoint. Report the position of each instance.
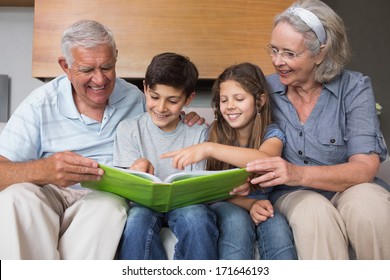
(143, 165)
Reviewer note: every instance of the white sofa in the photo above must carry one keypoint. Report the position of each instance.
(169, 239)
(2, 125)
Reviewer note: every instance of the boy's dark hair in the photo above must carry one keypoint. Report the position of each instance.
(173, 70)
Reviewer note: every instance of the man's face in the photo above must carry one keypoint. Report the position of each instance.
(92, 75)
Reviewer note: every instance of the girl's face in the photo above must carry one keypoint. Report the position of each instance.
(237, 106)
(293, 71)
(164, 104)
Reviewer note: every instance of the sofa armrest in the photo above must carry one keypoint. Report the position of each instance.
(384, 171)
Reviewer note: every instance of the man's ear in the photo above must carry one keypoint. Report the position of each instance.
(189, 99)
(63, 64)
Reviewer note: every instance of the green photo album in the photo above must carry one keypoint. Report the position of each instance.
(178, 190)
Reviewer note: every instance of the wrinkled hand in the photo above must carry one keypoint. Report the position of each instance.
(274, 171)
(186, 156)
(192, 118)
(261, 210)
(143, 165)
(67, 168)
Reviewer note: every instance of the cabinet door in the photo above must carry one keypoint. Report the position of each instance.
(213, 34)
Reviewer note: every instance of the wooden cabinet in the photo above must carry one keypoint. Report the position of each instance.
(16, 3)
(214, 34)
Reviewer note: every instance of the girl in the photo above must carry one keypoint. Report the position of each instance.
(242, 132)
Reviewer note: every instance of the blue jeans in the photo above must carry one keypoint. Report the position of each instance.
(238, 233)
(194, 227)
(275, 239)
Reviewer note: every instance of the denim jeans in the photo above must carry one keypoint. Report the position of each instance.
(238, 233)
(194, 227)
(275, 239)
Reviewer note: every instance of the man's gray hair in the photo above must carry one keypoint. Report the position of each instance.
(87, 34)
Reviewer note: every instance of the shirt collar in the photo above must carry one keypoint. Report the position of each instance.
(120, 91)
(332, 86)
(66, 105)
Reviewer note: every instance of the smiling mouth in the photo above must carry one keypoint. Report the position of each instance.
(159, 116)
(97, 88)
(284, 72)
(233, 117)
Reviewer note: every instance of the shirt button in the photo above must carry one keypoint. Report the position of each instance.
(300, 152)
(332, 140)
(305, 161)
(300, 133)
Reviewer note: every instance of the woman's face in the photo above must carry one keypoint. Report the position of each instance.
(293, 70)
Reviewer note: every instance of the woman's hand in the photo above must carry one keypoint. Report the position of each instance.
(274, 171)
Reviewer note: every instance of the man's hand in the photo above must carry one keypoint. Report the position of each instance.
(67, 168)
(192, 117)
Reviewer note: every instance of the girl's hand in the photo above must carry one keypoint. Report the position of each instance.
(261, 210)
(189, 155)
(143, 165)
(242, 190)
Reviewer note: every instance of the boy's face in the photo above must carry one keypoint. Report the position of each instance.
(164, 104)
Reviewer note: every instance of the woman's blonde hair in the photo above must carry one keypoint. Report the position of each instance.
(337, 49)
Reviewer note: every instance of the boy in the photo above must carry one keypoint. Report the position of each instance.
(169, 85)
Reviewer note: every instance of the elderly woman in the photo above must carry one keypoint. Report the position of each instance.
(325, 184)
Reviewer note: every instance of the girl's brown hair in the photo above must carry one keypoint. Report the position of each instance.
(252, 80)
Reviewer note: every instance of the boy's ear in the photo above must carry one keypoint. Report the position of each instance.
(145, 86)
(189, 99)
